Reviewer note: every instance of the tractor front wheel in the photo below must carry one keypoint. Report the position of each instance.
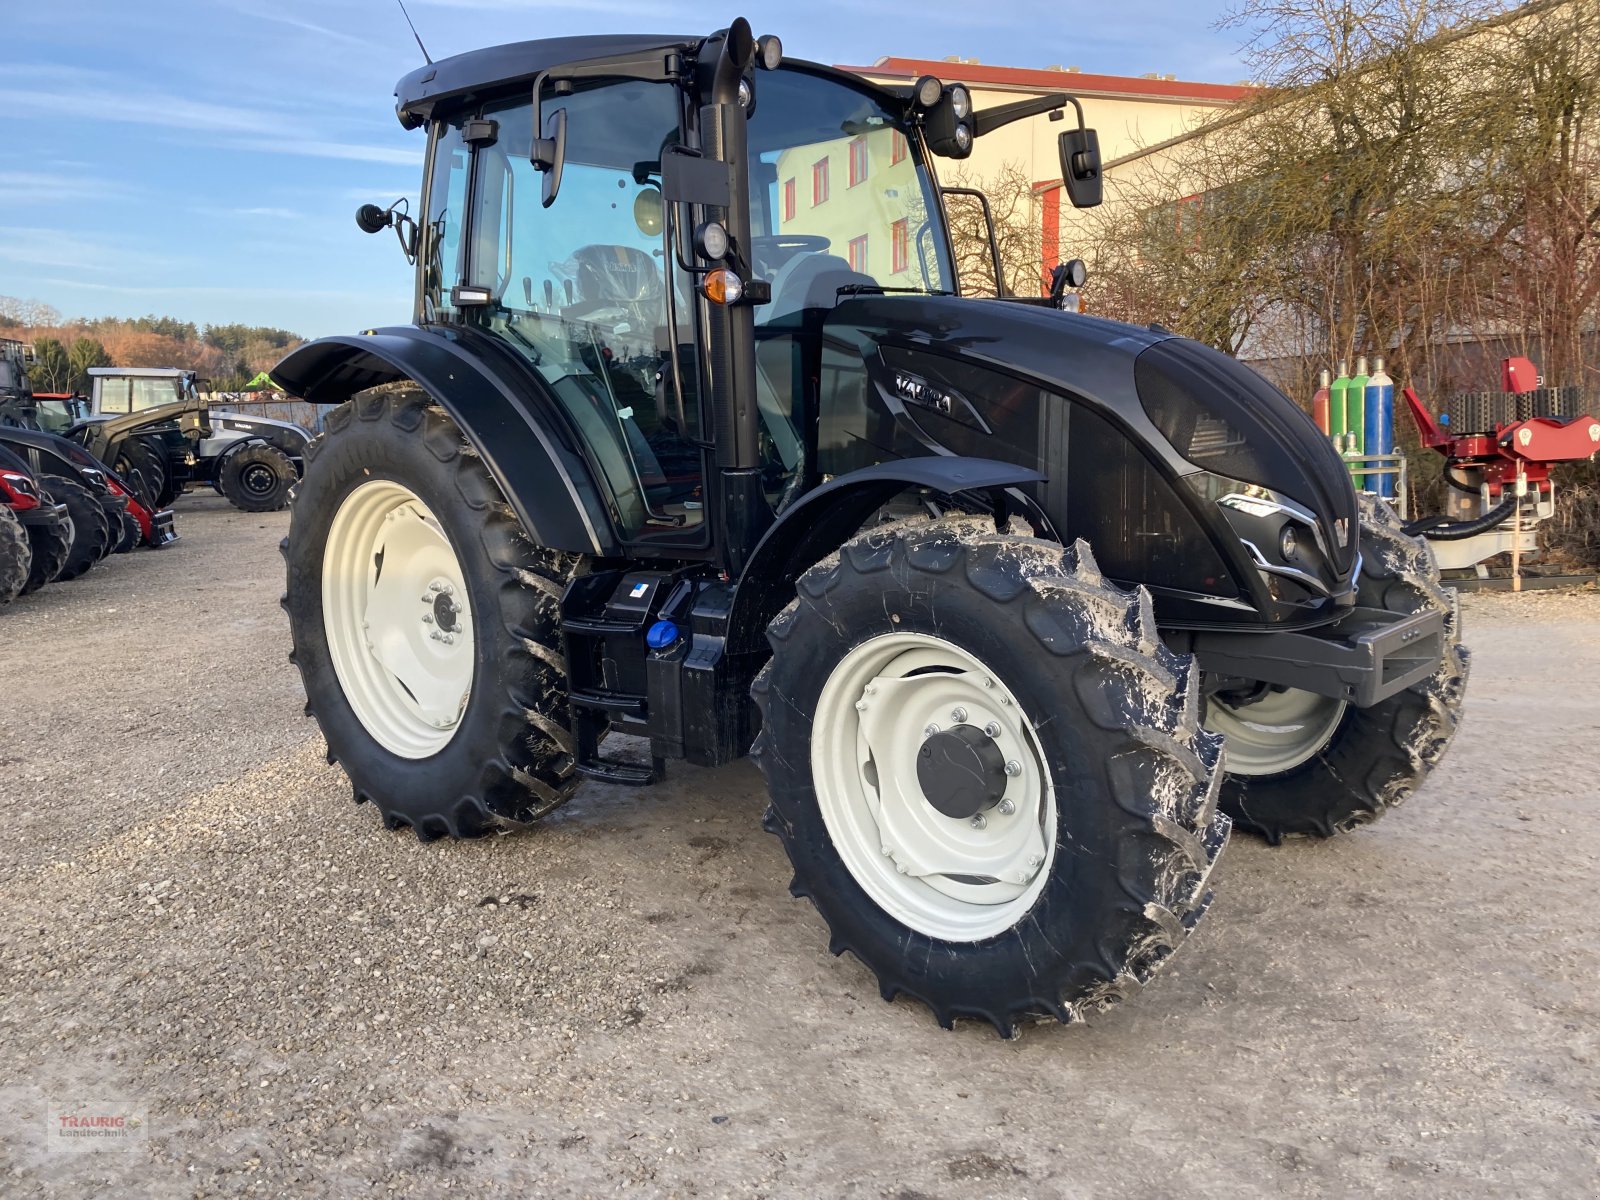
(256, 477)
(143, 462)
(51, 544)
(988, 771)
(1300, 764)
(91, 534)
(426, 625)
(16, 556)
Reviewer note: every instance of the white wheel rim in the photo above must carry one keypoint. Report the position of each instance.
(398, 620)
(947, 877)
(1277, 733)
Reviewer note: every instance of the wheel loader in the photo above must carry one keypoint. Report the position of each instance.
(1016, 609)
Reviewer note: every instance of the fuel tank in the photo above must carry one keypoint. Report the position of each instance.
(1184, 469)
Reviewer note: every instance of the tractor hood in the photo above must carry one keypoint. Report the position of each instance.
(1116, 416)
(231, 426)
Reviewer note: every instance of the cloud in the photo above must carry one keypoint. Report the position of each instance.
(293, 22)
(56, 249)
(101, 97)
(98, 96)
(276, 214)
(27, 187)
(346, 151)
(251, 290)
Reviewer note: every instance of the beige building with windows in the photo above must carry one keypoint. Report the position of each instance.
(1131, 114)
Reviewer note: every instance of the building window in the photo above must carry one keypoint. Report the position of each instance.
(789, 190)
(898, 149)
(899, 245)
(858, 254)
(819, 182)
(858, 161)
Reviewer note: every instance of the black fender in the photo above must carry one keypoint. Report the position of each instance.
(511, 427)
(823, 520)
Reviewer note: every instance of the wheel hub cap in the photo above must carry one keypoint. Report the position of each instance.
(962, 771)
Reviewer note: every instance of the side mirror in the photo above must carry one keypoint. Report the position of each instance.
(1080, 166)
(548, 153)
(370, 218)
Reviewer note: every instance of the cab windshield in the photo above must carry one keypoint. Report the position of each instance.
(840, 197)
(124, 393)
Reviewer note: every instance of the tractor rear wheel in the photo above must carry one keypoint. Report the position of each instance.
(1299, 764)
(256, 477)
(426, 625)
(52, 544)
(988, 771)
(90, 532)
(16, 556)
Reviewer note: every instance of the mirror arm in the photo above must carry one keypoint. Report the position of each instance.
(991, 119)
(541, 150)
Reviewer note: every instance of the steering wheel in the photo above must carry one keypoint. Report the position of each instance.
(781, 247)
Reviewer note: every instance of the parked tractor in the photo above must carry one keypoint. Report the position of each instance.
(36, 530)
(151, 422)
(679, 448)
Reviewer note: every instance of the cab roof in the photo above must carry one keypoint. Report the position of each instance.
(519, 62)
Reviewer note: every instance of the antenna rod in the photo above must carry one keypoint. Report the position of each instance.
(414, 33)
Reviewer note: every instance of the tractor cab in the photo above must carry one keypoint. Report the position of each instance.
(653, 239)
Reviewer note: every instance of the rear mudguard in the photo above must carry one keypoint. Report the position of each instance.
(510, 425)
(823, 520)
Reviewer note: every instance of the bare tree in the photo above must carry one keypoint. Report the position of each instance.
(1014, 203)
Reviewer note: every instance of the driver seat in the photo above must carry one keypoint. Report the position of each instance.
(810, 281)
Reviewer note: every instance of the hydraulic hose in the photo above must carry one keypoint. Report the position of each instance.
(1436, 529)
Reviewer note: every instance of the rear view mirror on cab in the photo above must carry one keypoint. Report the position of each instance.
(1080, 166)
(548, 153)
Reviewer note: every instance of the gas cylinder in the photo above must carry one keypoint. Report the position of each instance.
(1355, 411)
(1319, 405)
(1336, 393)
(1378, 423)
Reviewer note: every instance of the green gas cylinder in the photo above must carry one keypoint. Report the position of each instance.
(1336, 394)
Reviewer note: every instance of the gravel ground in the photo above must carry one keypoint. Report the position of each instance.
(199, 923)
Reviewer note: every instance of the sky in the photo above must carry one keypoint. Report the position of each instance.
(203, 159)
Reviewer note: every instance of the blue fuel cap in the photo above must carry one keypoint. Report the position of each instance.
(661, 635)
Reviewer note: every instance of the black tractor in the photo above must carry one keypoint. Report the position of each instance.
(695, 438)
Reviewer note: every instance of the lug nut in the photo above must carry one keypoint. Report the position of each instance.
(1036, 860)
(1013, 768)
(992, 729)
(929, 730)
(861, 706)
(958, 715)
(979, 821)
(435, 586)
(427, 618)
(1007, 808)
